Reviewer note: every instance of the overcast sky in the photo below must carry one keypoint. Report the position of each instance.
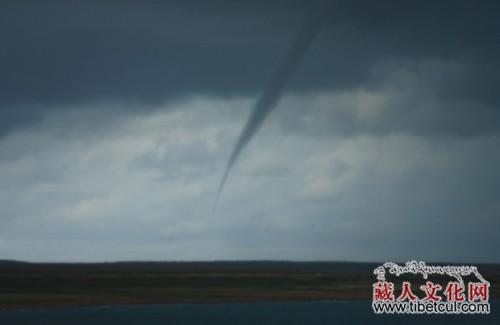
(118, 117)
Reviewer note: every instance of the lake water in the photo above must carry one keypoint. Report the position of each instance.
(290, 313)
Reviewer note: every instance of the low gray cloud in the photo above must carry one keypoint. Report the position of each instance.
(410, 99)
(144, 190)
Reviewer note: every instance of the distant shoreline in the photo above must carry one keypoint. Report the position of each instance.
(53, 285)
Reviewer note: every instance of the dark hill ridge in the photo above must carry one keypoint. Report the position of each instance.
(72, 284)
(10, 262)
(287, 266)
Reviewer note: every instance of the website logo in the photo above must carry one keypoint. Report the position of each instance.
(418, 288)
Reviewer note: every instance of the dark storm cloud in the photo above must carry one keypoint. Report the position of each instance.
(60, 53)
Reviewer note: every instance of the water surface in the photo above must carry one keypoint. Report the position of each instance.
(290, 313)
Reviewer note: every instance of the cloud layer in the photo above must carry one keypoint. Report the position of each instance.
(142, 188)
(117, 119)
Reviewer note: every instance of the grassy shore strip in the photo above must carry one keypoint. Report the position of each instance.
(84, 284)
